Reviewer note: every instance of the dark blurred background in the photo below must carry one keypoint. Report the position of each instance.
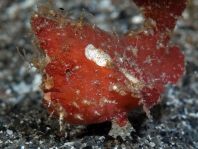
(26, 124)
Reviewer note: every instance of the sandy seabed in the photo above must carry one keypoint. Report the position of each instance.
(25, 122)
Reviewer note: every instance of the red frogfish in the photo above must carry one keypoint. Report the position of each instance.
(92, 76)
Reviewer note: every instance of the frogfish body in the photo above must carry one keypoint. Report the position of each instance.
(91, 76)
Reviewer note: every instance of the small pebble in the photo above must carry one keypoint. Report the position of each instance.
(10, 132)
(152, 144)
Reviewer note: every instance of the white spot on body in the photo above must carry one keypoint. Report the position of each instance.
(114, 87)
(129, 76)
(76, 67)
(122, 93)
(117, 88)
(78, 116)
(76, 105)
(97, 55)
(86, 102)
(104, 101)
(148, 60)
(96, 113)
(121, 59)
(163, 75)
(47, 96)
(135, 51)
(78, 92)
(95, 82)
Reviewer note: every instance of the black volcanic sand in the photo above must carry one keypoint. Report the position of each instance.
(25, 122)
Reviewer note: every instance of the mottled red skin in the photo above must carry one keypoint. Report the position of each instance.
(67, 51)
